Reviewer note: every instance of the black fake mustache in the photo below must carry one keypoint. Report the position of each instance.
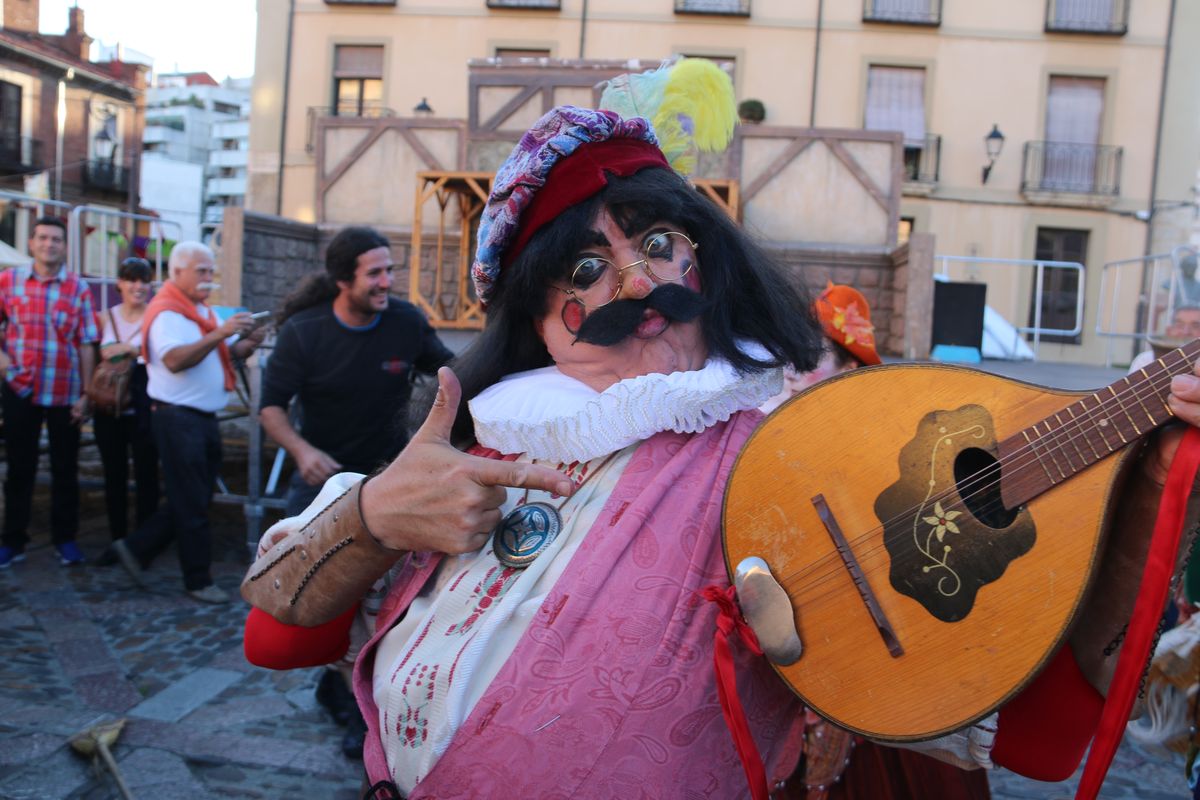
(617, 321)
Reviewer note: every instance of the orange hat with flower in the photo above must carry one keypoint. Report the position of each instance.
(846, 318)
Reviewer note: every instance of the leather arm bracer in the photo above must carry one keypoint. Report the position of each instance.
(318, 572)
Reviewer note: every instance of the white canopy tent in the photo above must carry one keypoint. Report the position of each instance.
(11, 257)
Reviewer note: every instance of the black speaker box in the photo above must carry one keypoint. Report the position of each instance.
(958, 314)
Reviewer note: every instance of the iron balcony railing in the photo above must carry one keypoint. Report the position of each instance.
(731, 8)
(553, 5)
(1072, 168)
(20, 154)
(1087, 16)
(904, 12)
(100, 173)
(923, 159)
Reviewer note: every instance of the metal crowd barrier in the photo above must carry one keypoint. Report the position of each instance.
(258, 498)
(1039, 266)
(106, 271)
(1156, 292)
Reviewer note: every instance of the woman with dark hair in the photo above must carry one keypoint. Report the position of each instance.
(118, 436)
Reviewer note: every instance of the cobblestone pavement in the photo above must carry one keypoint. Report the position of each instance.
(82, 645)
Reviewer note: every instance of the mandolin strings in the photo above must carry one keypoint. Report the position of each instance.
(1156, 387)
(979, 482)
(1024, 457)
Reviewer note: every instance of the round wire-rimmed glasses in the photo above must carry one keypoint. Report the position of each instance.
(667, 256)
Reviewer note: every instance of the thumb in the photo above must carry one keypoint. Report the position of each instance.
(445, 409)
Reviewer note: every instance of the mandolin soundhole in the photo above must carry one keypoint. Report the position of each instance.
(982, 496)
(945, 526)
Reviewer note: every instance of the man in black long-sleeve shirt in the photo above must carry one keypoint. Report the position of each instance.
(347, 350)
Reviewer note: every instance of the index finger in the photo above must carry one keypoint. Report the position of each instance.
(521, 475)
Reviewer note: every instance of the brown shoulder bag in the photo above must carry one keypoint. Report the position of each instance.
(109, 389)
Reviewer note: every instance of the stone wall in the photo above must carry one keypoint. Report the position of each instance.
(263, 257)
(898, 285)
(911, 326)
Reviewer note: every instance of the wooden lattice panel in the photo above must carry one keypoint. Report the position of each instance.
(439, 274)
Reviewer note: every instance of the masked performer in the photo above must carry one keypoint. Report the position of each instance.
(540, 627)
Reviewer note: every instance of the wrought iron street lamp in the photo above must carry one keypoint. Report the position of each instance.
(104, 146)
(993, 143)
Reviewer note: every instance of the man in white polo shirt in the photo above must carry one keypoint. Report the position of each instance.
(188, 355)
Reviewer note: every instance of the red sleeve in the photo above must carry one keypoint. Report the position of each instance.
(270, 643)
(1044, 731)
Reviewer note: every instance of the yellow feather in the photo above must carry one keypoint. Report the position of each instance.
(698, 112)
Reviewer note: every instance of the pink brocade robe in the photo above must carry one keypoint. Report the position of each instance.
(611, 691)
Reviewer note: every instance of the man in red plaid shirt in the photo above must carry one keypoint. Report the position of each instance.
(47, 357)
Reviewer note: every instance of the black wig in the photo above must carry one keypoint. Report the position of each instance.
(748, 296)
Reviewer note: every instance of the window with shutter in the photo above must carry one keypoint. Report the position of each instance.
(1074, 113)
(1087, 16)
(896, 102)
(912, 12)
(358, 80)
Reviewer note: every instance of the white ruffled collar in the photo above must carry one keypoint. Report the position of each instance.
(550, 416)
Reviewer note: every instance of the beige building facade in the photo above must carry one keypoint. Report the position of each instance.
(1094, 166)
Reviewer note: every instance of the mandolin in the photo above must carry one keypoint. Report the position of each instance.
(935, 529)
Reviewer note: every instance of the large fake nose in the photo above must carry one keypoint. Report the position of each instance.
(636, 279)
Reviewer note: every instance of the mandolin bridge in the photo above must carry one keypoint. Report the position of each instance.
(856, 574)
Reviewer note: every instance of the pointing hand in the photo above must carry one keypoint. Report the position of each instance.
(436, 498)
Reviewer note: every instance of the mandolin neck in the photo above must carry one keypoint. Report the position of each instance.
(1065, 443)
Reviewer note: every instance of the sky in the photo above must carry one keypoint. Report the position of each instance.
(213, 36)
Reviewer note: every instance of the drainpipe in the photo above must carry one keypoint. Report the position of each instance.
(1158, 131)
(287, 80)
(60, 127)
(583, 28)
(812, 111)
(1144, 293)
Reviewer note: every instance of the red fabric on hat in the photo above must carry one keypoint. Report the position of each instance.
(272, 644)
(579, 176)
(1044, 731)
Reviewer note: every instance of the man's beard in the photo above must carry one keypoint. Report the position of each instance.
(364, 304)
(614, 323)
